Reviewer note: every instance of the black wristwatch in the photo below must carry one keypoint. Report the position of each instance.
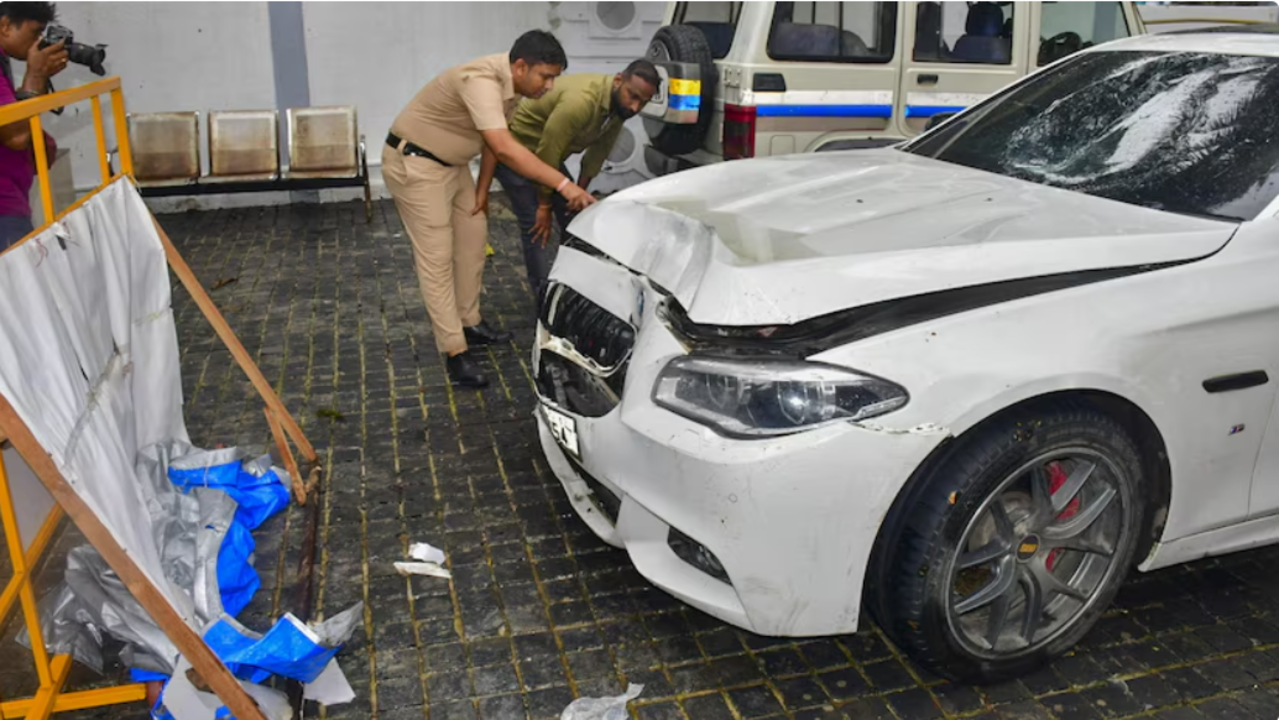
(27, 95)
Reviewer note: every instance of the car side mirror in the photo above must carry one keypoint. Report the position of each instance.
(938, 119)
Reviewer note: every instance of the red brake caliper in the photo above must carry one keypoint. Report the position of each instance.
(1057, 478)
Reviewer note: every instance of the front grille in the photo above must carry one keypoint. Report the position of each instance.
(587, 376)
(592, 331)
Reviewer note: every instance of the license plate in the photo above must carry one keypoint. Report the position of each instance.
(563, 428)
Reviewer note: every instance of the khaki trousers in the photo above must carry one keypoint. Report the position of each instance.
(435, 204)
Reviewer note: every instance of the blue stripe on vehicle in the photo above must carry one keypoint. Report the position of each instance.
(925, 111)
(684, 102)
(873, 111)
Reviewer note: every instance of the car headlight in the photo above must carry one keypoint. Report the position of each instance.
(769, 397)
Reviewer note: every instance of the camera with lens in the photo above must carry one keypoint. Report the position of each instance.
(88, 56)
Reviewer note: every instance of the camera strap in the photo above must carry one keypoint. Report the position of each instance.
(7, 69)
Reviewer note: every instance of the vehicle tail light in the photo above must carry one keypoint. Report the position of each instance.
(739, 132)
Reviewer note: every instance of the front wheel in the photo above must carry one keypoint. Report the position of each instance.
(1016, 543)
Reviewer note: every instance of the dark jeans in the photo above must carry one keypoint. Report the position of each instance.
(13, 228)
(523, 196)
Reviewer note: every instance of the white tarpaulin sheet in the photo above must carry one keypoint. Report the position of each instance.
(89, 360)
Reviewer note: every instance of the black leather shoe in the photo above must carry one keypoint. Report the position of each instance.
(485, 334)
(464, 371)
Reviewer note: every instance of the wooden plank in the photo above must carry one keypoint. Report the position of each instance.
(304, 588)
(189, 643)
(286, 456)
(220, 326)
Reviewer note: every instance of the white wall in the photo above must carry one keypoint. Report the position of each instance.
(169, 56)
(377, 55)
(373, 55)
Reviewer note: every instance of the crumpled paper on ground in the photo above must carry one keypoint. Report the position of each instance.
(425, 552)
(609, 708)
(422, 568)
(430, 561)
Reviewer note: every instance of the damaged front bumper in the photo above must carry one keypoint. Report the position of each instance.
(771, 535)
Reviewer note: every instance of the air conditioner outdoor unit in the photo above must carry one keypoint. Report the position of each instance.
(625, 165)
(614, 20)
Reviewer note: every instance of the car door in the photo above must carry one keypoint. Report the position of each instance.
(958, 54)
(1265, 480)
(825, 73)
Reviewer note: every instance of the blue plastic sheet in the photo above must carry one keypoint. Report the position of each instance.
(141, 676)
(286, 650)
(258, 497)
(289, 649)
(237, 579)
(226, 640)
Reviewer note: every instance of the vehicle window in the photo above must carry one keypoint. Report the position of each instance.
(1068, 27)
(851, 32)
(716, 20)
(953, 32)
(1182, 132)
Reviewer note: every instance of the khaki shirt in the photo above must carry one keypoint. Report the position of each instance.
(575, 115)
(447, 115)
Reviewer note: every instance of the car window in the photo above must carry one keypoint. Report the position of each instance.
(851, 32)
(1068, 27)
(954, 32)
(1183, 132)
(716, 20)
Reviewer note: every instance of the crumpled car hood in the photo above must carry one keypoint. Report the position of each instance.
(780, 240)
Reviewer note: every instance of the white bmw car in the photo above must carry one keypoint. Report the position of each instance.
(965, 384)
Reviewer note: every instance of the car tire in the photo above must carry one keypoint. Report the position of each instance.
(684, 43)
(1042, 508)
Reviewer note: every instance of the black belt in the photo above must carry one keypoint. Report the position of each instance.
(410, 149)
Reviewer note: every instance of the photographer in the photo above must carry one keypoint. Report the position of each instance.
(21, 27)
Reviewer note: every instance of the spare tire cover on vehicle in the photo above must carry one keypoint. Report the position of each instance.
(684, 43)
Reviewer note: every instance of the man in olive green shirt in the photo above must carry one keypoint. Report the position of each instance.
(582, 113)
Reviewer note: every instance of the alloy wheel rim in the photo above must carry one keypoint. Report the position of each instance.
(1036, 554)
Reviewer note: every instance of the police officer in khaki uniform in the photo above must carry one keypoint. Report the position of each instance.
(425, 165)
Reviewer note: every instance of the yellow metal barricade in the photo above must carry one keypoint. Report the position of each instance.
(52, 672)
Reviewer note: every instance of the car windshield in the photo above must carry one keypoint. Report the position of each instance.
(1189, 133)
